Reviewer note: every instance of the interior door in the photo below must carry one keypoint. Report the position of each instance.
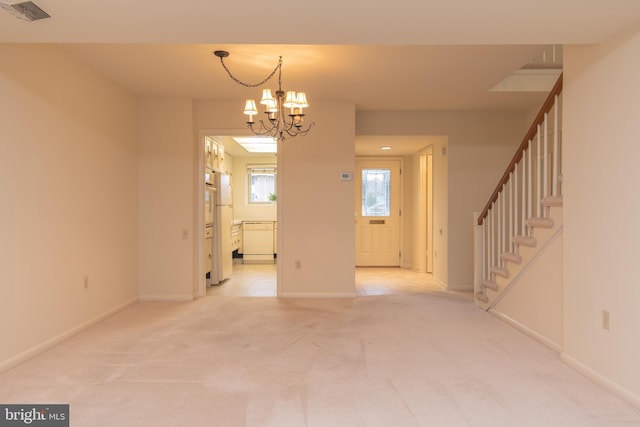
(377, 203)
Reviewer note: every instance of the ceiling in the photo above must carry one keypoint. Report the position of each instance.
(329, 22)
(407, 55)
(375, 78)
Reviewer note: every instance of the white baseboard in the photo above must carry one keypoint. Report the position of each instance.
(318, 295)
(440, 283)
(167, 298)
(52, 342)
(605, 382)
(527, 331)
(409, 266)
(459, 288)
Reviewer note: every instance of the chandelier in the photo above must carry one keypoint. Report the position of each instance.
(284, 112)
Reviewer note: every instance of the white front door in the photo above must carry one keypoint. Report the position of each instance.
(377, 204)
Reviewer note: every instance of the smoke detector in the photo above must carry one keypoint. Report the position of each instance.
(27, 11)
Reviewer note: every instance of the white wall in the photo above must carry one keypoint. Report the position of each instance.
(601, 208)
(534, 304)
(315, 208)
(410, 211)
(68, 173)
(167, 160)
(480, 146)
(412, 226)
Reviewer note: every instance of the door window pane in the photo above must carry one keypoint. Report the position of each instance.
(376, 185)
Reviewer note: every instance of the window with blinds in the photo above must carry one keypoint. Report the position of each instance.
(262, 183)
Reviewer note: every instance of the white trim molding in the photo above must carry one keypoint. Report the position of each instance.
(440, 283)
(170, 298)
(613, 387)
(52, 342)
(319, 295)
(527, 331)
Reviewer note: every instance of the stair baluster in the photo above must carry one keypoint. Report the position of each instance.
(509, 217)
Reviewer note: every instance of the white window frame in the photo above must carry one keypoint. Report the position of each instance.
(264, 168)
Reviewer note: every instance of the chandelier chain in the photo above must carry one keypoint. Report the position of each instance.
(240, 82)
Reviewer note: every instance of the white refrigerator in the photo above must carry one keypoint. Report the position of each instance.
(222, 246)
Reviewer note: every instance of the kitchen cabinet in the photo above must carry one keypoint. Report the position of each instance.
(208, 253)
(210, 153)
(225, 161)
(228, 164)
(216, 157)
(236, 237)
(221, 159)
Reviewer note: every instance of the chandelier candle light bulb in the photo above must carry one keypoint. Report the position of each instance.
(268, 99)
(250, 109)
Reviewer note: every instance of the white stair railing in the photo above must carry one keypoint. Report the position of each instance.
(532, 179)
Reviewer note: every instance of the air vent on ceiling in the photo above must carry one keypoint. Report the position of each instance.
(27, 11)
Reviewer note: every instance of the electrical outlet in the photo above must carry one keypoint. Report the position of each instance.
(298, 264)
(605, 320)
(86, 282)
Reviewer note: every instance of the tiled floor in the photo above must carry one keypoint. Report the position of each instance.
(259, 280)
(250, 280)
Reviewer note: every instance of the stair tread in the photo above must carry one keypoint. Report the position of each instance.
(490, 284)
(512, 257)
(552, 201)
(540, 222)
(482, 297)
(500, 271)
(525, 241)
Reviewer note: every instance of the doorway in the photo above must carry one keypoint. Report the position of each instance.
(423, 195)
(377, 208)
(248, 176)
(425, 229)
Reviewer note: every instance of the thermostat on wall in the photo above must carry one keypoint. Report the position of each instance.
(346, 176)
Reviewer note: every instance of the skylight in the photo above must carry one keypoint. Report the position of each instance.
(257, 144)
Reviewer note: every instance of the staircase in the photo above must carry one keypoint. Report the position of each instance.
(523, 217)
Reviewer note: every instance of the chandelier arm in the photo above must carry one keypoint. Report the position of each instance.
(240, 82)
(278, 133)
(262, 130)
(298, 131)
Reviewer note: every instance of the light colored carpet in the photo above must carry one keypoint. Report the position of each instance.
(411, 356)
